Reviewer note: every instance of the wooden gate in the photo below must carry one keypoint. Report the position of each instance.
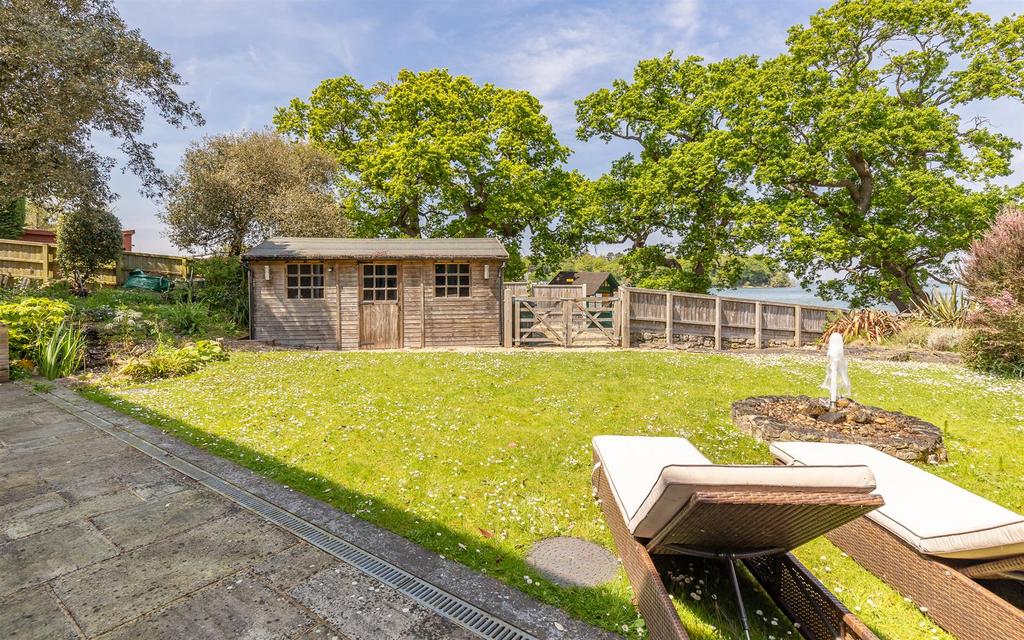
(566, 322)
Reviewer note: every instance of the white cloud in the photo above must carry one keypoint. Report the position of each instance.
(682, 15)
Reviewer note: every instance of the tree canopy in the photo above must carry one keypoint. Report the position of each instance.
(87, 239)
(865, 164)
(438, 155)
(683, 184)
(232, 191)
(69, 69)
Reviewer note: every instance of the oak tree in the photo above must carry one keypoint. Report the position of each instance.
(871, 170)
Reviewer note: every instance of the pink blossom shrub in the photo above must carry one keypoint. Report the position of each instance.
(994, 274)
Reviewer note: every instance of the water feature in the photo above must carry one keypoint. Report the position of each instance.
(837, 373)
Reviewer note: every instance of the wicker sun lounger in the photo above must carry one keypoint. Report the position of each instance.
(662, 499)
(956, 555)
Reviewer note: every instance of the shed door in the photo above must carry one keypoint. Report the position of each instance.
(380, 309)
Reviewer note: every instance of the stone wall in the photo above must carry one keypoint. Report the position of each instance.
(683, 341)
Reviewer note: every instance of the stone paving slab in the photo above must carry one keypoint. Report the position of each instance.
(24, 524)
(123, 587)
(238, 607)
(49, 554)
(162, 517)
(19, 485)
(33, 614)
(294, 565)
(363, 609)
(132, 469)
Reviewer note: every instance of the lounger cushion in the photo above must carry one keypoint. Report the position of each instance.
(653, 478)
(933, 516)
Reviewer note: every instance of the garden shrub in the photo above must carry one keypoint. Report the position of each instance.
(224, 287)
(31, 321)
(167, 361)
(994, 273)
(188, 318)
(867, 324)
(62, 353)
(996, 341)
(87, 239)
(127, 324)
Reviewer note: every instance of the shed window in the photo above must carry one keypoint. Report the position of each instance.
(380, 282)
(451, 280)
(306, 280)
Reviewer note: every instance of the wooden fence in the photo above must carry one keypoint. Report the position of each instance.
(559, 291)
(670, 317)
(38, 261)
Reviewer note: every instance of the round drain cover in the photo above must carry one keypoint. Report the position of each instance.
(573, 562)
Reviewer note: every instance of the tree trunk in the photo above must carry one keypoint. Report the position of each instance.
(910, 293)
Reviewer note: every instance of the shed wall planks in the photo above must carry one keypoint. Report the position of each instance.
(289, 321)
(334, 321)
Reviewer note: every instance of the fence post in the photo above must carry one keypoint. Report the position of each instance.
(46, 262)
(798, 326)
(119, 267)
(718, 323)
(668, 318)
(5, 358)
(624, 320)
(567, 322)
(506, 332)
(757, 324)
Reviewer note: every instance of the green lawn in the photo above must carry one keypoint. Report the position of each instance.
(478, 455)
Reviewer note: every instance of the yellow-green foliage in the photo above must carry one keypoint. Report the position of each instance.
(166, 360)
(30, 322)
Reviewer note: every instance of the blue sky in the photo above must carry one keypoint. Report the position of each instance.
(241, 59)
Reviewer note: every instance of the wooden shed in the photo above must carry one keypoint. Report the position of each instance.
(344, 293)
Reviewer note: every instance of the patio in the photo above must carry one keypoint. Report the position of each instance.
(99, 539)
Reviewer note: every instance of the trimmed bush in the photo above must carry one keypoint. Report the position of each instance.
(87, 239)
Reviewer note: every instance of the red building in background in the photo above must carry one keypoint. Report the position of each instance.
(46, 236)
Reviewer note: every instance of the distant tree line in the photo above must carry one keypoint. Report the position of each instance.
(729, 272)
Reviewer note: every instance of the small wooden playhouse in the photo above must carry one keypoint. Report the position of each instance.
(344, 293)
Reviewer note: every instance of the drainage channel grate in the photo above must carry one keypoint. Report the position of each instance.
(433, 598)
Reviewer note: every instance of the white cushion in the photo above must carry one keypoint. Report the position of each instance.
(633, 464)
(653, 478)
(930, 514)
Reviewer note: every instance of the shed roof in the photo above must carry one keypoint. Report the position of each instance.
(592, 280)
(378, 248)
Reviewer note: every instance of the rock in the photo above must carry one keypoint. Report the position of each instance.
(861, 417)
(813, 410)
(843, 403)
(832, 417)
(879, 420)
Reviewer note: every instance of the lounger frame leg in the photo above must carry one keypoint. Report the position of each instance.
(957, 603)
(649, 591)
(739, 596)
